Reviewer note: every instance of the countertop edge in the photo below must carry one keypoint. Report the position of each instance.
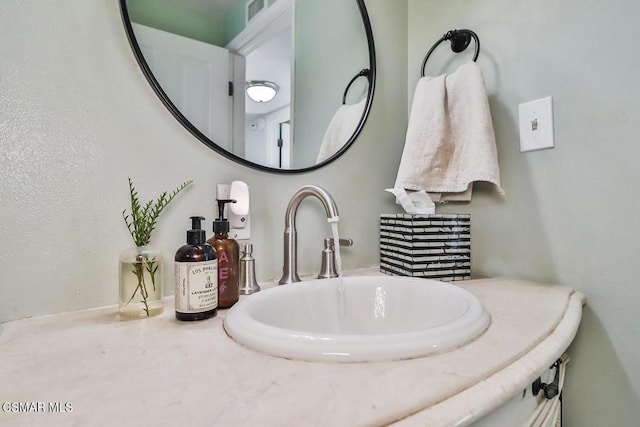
(486, 396)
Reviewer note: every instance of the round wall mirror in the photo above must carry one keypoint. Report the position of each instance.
(278, 85)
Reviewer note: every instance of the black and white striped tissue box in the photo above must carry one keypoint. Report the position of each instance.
(434, 246)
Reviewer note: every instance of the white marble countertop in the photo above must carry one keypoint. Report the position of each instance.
(164, 372)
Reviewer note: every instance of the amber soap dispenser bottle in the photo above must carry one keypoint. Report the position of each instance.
(196, 268)
(228, 252)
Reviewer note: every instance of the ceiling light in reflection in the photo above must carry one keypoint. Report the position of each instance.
(261, 90)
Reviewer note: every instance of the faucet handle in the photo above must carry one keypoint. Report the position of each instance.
(342, 242)
(247, 277)
(328, 268)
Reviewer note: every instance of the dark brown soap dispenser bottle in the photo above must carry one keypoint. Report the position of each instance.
(196, 268)
(228, 252)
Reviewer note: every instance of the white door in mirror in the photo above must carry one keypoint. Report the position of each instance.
(194, 75)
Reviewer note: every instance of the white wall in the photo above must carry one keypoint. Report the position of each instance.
(77, 117)
(570, 213)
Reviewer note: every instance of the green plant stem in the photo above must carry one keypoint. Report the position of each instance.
(138, 270)
(152, 268)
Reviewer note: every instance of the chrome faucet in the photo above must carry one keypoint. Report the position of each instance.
(290, 267)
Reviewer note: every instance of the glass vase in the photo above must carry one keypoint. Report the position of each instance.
(140, 283)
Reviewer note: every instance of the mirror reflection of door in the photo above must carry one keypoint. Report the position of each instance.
(194, 76)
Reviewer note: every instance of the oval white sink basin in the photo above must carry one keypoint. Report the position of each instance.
(366, 319)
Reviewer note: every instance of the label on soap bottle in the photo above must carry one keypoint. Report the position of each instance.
(196, 286)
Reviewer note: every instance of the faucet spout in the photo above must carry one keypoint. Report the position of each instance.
(290, 267)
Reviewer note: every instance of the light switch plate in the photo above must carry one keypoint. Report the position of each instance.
(536, 125)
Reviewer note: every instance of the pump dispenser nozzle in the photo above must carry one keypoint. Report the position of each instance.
(221, 224)
(196, 236)
(196, 222)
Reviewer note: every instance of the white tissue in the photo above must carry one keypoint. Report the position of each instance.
(417, 202)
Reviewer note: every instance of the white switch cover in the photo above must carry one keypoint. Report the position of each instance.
(536, 125)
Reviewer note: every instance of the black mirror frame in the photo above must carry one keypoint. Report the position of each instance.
(229, 155)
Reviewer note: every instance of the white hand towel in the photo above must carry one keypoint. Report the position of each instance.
(450, 141)
(340, 129)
